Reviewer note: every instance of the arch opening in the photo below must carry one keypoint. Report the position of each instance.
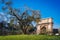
(43, 30)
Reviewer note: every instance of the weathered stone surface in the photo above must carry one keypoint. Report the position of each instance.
(45, 26)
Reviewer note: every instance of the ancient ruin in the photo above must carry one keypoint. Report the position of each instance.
(45, 26)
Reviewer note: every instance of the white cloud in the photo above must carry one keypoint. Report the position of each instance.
(2, 16)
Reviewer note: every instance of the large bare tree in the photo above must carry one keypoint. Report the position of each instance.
(25, 20)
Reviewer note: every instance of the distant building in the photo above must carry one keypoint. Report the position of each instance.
(55, 31)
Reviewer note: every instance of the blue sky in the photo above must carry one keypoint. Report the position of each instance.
(48, 8)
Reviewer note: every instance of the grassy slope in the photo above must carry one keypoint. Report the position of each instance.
(29, 37)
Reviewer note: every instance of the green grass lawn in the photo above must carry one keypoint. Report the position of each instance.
(29, 37)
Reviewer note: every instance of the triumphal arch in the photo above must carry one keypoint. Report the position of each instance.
(45, 26)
